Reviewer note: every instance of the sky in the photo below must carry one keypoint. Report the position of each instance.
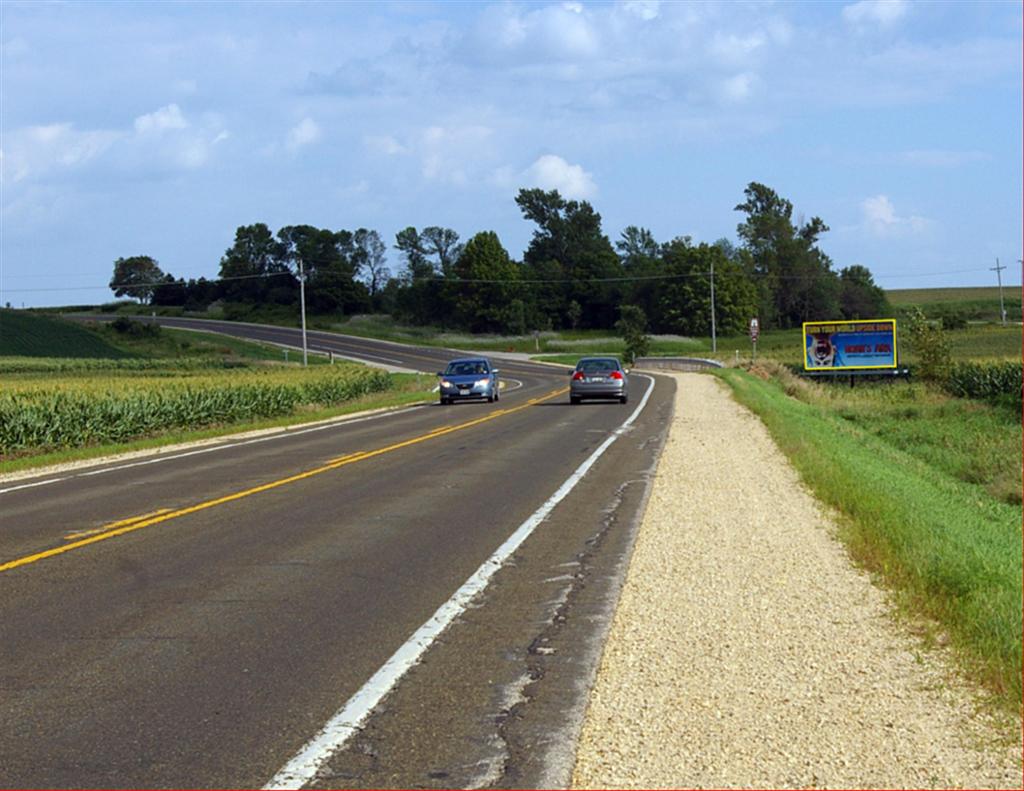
(158, 128)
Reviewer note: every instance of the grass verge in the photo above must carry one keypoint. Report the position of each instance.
(948, 549)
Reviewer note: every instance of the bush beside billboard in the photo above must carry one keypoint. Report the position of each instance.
(849, 345)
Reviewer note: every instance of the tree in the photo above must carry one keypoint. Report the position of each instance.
(254, 266)
(369, 260)
(633, 327)
(636, 247)
(568, 246)
(684, 301)
(485, 285)
(328, 260)
(931, 346)
(796, 278)
(136, 277)
(859, 297)
(443, 243)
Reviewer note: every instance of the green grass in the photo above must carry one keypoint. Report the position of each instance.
(27, 334)
(922, 483)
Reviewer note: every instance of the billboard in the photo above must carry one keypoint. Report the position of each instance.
(849, 345)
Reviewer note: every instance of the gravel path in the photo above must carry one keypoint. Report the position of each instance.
(747, 651)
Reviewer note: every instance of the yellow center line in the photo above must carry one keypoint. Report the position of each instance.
(137, 523)
(112, 525)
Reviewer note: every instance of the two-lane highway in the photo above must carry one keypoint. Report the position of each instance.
(197, 619)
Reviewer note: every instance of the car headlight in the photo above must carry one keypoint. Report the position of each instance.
(481, 382)
(445, 383)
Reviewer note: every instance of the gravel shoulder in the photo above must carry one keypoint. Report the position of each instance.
(748, 651)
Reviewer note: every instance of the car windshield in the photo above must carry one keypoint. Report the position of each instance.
(466, 368)
(597, 366)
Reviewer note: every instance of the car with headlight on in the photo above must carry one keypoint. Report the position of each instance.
(469, 377)
(598, 377)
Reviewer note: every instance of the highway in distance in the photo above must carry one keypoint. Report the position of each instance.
(292, 610)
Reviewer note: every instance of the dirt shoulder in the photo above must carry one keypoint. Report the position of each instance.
(748, 651)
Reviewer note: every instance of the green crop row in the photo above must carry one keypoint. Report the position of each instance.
(58, 417)
(988, 381)
(31, 365)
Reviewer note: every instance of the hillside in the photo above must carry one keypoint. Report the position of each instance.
(26, 334)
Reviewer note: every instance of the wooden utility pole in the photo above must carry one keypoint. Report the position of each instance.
(999, 276)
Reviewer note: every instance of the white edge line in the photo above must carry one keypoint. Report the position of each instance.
(304, 765)
(210, 449)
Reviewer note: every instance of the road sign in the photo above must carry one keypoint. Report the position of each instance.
(755, 329)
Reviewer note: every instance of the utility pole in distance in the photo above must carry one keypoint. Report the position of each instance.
(999, 276)
(714, 339)
(302, 302)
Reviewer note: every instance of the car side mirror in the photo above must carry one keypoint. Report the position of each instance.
(440, 373)
(495, 370)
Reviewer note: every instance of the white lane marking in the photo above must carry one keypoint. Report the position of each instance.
(210, 449)
(304, 765)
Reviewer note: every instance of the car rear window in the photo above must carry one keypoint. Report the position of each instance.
(597, 366)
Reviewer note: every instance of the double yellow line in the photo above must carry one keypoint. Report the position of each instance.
(123, 526)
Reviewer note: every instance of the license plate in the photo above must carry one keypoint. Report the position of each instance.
(463, 392)
(596, 379)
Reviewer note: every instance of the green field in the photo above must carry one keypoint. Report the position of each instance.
(971, 304)
(143, 386)
(27, 334)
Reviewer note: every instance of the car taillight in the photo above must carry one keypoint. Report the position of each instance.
(578, 376)
(616, 375)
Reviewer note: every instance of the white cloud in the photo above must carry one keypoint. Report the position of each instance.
(880, 219)
(384, 144)
(883, 13)
(302, 134)
(737, 88)
(448, 154)
(551, 172)
(644, 9)
(161, 120)
(38, 150)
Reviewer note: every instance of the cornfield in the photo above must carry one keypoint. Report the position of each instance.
(989, 381)
(75, 411)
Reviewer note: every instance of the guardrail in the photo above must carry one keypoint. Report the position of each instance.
(675, 363)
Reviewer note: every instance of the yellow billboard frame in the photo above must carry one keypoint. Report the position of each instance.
(835, 327)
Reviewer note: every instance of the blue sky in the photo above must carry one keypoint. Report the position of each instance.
(158, 128)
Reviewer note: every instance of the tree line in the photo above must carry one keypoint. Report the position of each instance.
(570, 276)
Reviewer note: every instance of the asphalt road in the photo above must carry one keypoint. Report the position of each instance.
(194, 620)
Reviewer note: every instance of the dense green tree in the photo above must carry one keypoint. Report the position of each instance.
(641, 259)
(136, 277)
(795, 277)
(329, 261)
(859, 297)
(486, 283)
(442, 243)
(254, 266)
(568, 246)
(684, 301)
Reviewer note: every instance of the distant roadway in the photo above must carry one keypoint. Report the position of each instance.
(341, 605)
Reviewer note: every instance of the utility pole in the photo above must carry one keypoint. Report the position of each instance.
(999, 275)
(714, 339)
(302, 302)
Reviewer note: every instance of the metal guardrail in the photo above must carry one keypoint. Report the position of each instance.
(675, 363)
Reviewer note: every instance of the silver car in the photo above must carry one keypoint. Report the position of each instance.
(598, 377)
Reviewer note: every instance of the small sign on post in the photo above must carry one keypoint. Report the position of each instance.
(755, 330)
